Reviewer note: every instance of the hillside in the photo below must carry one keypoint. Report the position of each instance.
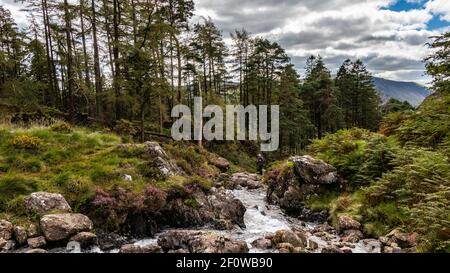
(411, 92)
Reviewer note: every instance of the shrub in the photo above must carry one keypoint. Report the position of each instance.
(25, 142)
(126, 129)
(154, 199)
(61, 127)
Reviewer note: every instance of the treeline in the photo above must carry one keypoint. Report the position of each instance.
(131, 61)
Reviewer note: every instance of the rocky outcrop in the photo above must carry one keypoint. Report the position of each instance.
(45, 202)
(218, 209)
(200, 242)
(130, 248)
(300, 178)
(57, 227)
(313, 171)
(156, 156)
(347, 223)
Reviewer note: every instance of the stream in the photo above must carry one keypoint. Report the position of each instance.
(260, 219)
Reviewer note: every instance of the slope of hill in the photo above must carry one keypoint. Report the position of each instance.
(411, 92)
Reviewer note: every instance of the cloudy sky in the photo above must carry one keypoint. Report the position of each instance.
(388, 35)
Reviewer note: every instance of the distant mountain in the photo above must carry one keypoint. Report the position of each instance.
(411, 92)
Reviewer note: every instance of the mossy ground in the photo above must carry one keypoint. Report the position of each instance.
(77, 161)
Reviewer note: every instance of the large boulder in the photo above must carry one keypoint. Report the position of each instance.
(130, 248)
(6, 230)
(218, 209)
(296, 181)
(221, 163)
(45, 202)
(246, 180)
(57, 227)
(85, 239)
(402, 239)
(200, 242)
(347, 223)
(314, 171)
(294, 238)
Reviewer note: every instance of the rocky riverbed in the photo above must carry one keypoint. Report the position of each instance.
(239, 214)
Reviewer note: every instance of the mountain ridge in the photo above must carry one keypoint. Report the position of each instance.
(411, 92)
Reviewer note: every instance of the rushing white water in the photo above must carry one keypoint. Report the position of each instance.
(261, 219)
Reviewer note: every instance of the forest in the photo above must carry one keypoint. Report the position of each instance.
(86, 93)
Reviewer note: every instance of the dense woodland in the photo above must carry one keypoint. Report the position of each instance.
(125, 64)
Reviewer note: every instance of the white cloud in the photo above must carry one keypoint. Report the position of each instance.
(439, 7)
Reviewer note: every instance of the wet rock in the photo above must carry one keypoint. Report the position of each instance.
(20, 234)
(352, 236)
(284, 250)
(372, 245)
(130, 248)
(262, 243)
(85, 239)
(109, 241)
(6, 230)
(9, 246)
(58, 227)
(313, 245)
(389, 249)
(37, 242)
(323, 228)
(292, 238)
(245, 180)
(2, 243)
(298, 250)
(346, 250)
(345, 222)
(45, 202)
(36, 251)
(221, 163)
(314, 171)
(332, 249)
(285, 246)
(200, 242)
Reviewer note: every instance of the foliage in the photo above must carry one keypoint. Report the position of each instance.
(26, 142)
(62, 127)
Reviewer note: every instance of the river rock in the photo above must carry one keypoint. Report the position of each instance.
(372, 245)
(200, 242)
(6, 230)
(130, 248)
(45, 202)
(345, 222)
(332, 249)
(32, 231)
(36, 251)
(20, 234)
(58, 227)
(313, 245)
(352, 236)
(287, 246)
(85, 239)
(245, 180)
(9, 245)
(2, 243)
(262, 243)
(221, 163)
(37, 242)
